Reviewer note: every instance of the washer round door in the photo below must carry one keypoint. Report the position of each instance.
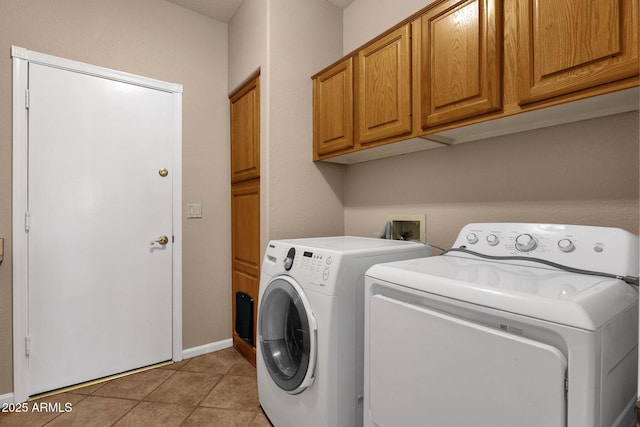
(287, 333)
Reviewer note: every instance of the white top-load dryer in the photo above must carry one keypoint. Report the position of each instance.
(495, 339)
(310, 327)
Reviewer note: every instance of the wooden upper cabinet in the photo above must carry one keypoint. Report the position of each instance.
(461, 56)
(383, 108)
(457, 63)
(569, 45)
(333, 109)
(245, 131)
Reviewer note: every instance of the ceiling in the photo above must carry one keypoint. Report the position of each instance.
(223, 10)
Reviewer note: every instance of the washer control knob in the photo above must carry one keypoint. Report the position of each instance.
(526, 243)
(566, 245)
(493, 240)
(288, 261)
(472, 238)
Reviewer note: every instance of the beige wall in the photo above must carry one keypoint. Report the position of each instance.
(248, 46)
(578, 173)
(305, 198)
(585, 172)
(289, 40)
(159, 40)
(365, 19)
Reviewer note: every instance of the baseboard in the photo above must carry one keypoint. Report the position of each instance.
(5, 399)
(206, 348)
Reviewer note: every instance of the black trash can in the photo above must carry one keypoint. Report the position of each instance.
(244, 317)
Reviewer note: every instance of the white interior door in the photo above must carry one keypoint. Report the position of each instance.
(100, 295)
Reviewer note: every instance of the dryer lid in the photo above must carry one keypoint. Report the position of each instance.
(585, 302)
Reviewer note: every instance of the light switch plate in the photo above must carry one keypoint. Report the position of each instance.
(194, 210)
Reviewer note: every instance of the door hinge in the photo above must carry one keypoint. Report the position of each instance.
(27, 346)
(566, 384)
(27, 221)
(27, 99)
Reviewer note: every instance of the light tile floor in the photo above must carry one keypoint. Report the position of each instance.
(215, 389)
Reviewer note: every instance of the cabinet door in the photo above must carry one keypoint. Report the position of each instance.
(384, 87)
(245, 250)
(570, 45)
(245, 131)
(460, 73)
(333, 109)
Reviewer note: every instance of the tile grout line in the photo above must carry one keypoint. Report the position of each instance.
(204, 397)
(125, 414)
(210, 390)
(145, 396)
(189, 416)
(60, 414)
(158, 386)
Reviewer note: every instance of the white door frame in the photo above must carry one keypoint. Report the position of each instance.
(21, 59)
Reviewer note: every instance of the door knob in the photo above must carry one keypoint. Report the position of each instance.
(163, 240)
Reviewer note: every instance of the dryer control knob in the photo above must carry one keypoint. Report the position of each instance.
(493, 240)
(526, 243)
(566, 245)
(472, 238)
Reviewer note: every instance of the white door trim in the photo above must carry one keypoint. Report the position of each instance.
(21, 59)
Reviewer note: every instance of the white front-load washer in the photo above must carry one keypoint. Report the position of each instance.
(310, 326)
(496, 334)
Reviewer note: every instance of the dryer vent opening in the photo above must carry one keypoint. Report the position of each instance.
(244, 317)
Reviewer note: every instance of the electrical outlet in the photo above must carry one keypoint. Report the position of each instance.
(408, 227)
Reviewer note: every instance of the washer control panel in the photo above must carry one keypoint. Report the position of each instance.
(311, 264)
(587, 247)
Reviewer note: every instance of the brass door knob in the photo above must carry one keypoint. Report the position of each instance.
(163, 172)
(163, 240)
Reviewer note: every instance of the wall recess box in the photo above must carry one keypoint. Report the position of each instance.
(408, 227)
